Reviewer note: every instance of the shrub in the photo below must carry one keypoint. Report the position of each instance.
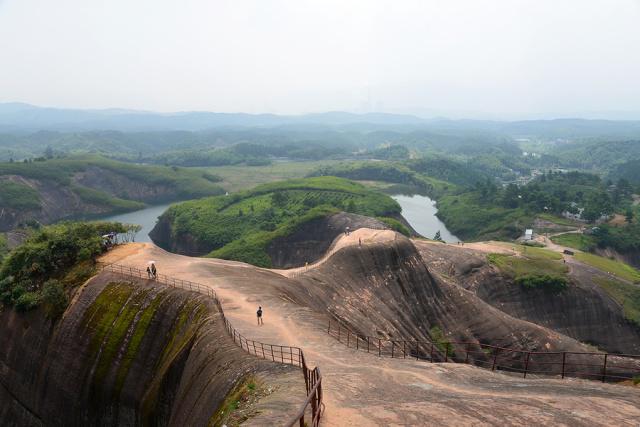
(545, 282)
(54, 298)
(27, 301)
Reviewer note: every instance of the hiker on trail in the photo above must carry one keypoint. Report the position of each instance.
(259, 314)
(149, 272)
(346, 231)
(154, 271)
(359, 241)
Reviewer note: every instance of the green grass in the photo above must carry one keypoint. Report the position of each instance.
(578, 241)
(241, 226)
(620, 269)
(531, 262)
(628, 296)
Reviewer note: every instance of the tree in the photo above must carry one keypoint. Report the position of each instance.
(629, 216)
(437, 237)
(279, 198)
(131, 230)
(48, 152)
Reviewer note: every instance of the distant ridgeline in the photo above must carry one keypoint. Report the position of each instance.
(244, 225)
(47, 190)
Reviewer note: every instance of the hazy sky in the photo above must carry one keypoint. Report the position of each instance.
(505, 58)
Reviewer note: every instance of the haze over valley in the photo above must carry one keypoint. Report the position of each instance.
(303, 213)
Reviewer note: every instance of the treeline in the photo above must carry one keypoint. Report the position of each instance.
(51, 262)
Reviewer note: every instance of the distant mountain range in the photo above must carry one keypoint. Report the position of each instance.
(20, 117)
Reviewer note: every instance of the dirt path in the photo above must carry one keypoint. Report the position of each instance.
(361, 236)
(362, 389)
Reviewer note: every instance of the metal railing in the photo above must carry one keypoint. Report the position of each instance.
(312, 406)
(597, 366)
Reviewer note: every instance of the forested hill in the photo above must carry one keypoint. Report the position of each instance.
(243, 225)
(47, 190)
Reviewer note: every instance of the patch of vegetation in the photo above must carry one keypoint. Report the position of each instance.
(53, 256)
(438, 338)
(628, 296)
(4, 247)
(395, 225)
(18, 196)
(544, 282)
(578, 241)
(241, 226)
(236, 408)
(532, 262)
(100, 198)
(469, 217)
(618, 268)
(141, 327)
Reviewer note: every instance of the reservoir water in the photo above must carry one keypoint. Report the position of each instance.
(145, 217)
(420, 212)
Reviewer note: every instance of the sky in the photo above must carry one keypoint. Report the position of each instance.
(458, 58)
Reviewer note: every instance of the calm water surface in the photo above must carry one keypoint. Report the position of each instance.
(420, 212)
(145, 217)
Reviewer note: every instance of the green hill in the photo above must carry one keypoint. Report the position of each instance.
(47, 190)
(240, 226)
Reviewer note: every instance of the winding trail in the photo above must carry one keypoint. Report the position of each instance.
(362, 389)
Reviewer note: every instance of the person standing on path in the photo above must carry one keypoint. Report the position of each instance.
(154, 271)
(259, 314)
(149, 272)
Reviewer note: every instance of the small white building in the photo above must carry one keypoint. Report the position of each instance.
(528, 234)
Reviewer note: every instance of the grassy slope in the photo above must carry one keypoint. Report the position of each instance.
(618, 268)
(578, 241)
(183, 183)
(628, 296)
(241, 226)
(531, 261)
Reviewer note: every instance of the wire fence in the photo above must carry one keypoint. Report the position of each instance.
(312, 407)
(596, 366)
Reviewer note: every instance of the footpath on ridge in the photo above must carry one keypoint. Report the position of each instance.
(363, 389)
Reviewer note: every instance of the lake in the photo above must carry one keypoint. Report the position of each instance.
(145, 217)
(420, 212)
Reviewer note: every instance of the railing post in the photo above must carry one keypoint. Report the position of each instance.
(404, 349)
(564, 359)
(526, 364)
(338, 332)
(379, 347)
(431, 353)
(495, 358)
(393, 344)
(329, 328)
(367, 344)
(357, 344)
(348, 335)
(417, 351)
(466, 357)
(604, 368)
